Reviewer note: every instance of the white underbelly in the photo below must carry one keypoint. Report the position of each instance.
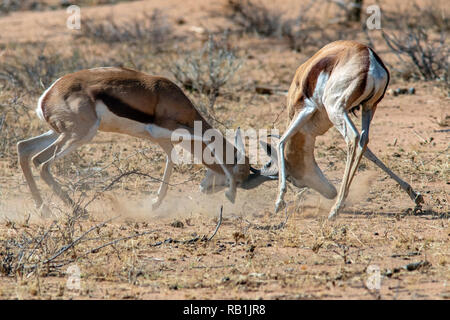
(109, 122)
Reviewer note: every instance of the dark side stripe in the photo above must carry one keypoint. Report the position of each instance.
(122, 109)
(387, 71)
(325, 64)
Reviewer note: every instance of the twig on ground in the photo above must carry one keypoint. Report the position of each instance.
(39, 243)
(420, 137)
(74, 243)
(195, 239)
(117, 179)
(111, 243)
(128, 173)
(408, 267)
(219, 223)
(279, 226)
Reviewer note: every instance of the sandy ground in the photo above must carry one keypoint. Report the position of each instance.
(310, 258)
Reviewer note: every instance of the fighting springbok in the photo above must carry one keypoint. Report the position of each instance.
(339, 78)
(124, 101)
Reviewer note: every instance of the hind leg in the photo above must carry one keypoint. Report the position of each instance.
(65, 144)
(416, 197)
(26, 149)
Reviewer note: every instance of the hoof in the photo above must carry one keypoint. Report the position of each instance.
(155, 204)
(333, 214)
(231, 195)
(280, 205)
(45, 211)
(419, 200)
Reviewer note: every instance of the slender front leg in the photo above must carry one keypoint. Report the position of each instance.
(167, 147)
(161, 134)
(304, 115)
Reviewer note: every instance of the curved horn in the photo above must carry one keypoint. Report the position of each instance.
(271, 167)
(270, 150)
(268, 172)
(256, 178)
(255, 171)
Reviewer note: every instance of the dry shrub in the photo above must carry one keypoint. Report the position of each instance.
(432, 14)
(347, 10)
(34, 68)
(207, 70)
(42, 249)
(7, 6)
(151, 29)
(254, 17)
(12, 112)
(300, 32)
(415, 46)
(418, 38)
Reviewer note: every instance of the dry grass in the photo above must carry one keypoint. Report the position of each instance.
(151, 29)
(418, 38)
(8, 6)
(32, 68)
(429, 57)
(254, 17)
(207, 71)
(142, 254)
(321, 258)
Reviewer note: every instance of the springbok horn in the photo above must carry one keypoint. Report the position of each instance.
(255, 179)
(271, 167)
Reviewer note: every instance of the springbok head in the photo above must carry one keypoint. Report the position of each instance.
(246, 176)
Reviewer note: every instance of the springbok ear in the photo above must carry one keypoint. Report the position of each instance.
(239, 146)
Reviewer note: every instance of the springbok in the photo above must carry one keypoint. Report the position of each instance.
(125, 101)
(339, 78)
